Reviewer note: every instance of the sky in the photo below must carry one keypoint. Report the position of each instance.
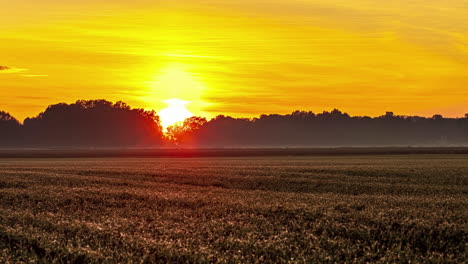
(241, 58)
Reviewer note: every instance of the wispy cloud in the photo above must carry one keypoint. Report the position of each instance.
(6, 69)
(34, 75)
(33, 97)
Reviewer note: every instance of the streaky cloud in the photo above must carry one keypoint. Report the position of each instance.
(6, 69)
(34, 75)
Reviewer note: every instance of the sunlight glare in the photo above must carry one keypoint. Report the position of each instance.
(177, 89)
(176, 111)
(175, 80)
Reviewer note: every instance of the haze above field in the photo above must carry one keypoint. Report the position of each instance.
(239, 58)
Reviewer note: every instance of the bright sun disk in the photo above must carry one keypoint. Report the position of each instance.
(176, 111)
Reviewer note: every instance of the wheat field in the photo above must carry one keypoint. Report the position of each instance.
(353, 209)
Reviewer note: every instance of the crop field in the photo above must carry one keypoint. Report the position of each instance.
(378, 209)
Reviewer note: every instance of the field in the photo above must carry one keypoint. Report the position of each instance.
(399, 208)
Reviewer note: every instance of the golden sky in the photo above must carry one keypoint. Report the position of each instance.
(240, 58)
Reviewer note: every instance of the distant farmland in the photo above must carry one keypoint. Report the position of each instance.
(397, 208)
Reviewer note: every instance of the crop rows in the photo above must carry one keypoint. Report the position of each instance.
(231, 210)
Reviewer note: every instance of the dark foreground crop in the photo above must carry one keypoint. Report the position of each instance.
(234, 210)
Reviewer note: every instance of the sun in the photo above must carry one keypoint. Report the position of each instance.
(176, 111)
(177, 89)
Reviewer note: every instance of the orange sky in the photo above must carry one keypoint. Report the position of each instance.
(240, 58)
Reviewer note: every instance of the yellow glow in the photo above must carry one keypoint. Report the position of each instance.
(174, 112)
(176, 86)
(175, 81)
(240, 58)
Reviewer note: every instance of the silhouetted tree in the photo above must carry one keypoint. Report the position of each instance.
(97, 123)
(182, 132)
(10, 130)
(333, 128)
(100, 123)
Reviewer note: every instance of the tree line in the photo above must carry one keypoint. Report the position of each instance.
(100, 123)
(91, 123)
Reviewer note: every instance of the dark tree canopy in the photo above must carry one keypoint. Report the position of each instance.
(9, 130)
(96, 123)
(306, 129)
(100, 123)
(182, 132)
